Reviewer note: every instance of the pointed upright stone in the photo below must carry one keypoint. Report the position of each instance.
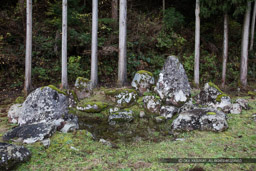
(173, 86)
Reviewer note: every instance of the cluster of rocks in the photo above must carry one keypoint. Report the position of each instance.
(47, 109)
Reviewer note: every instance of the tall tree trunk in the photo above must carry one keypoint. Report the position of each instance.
(163, 6)
(253, 26)
(94, 60)
(28, 85)
(122, 63)
(225, 50)
(114, 10)
(244, 51)
(64, 74)
(197, 44)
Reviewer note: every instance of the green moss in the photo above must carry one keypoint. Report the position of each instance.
(215, 86)
(20, 99)
(218, 99)
(82, 80)
(252, 93)
(74, 95)
(211, 113)
(140, 101)
(56, 89)
(145, 72)
(113, 92)
(100, 106)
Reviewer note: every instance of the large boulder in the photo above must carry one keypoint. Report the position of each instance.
(205, 119)
(31, 133)
(122, 97)
(143, 81)
(168, 111)
(44, 104)
(173, 86)
(83, 88)
(212, 96)
(11, 155)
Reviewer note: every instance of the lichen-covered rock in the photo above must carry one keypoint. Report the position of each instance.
(187, 106)
(236, 108)
(211, 95)
(173, 86)
(168, 111)
(143, 81)
(122, 97)
(83, 88)
(31, 133)
(152, 104)
(14, 112)
(120, 116)
(205, 119)
(11, 155)
(243, 103)
(43, 104)
(91, 106)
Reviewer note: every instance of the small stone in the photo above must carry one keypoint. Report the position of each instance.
(159, 119)
(143, 81)
(168, 111)
(46, 142)
(105, 142)
(120, 117)
(83, 88)
(11, 155)
(236, 109)
(14, 112)
(243, 103)
(152, 104)
(142, 114)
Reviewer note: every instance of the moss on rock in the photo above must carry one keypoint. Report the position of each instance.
(91, 106)
(20, 99)
(211, 113)
(56, 89)
(145, 72)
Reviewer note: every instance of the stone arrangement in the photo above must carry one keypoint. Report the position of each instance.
(48, 109)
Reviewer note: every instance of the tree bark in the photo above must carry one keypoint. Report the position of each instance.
(64, 74)
(122, 63)
(244, 51)
(94, 57)
(197, 44)
(28, 60)
(225, 50)
(253, 26)
(114, 10)
(163, 6)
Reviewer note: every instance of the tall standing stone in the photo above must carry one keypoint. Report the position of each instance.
(173, 86)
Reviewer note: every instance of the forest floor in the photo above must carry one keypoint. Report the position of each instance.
(78, 151)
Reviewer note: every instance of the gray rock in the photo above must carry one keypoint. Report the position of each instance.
(11, 155)
(122, 97)
(201, 119)
(142, 114)
(43, 104)
(46, 142)
(168, 111)
(187, 106)
(120, 117)
(160, 119)
(143, 81)
(243, 103)
(14, 112)
(31, 133)
(236, 108)
(83, 88)
(173, 86)
(152, 104)
(70, 126)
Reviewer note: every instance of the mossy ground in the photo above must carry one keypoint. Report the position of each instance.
(77, 151)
